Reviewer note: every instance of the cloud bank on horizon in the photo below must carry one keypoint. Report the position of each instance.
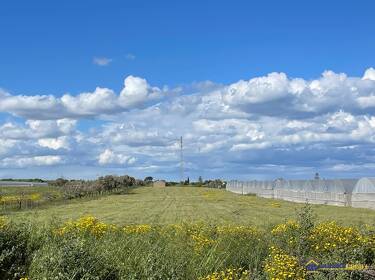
(264, 127)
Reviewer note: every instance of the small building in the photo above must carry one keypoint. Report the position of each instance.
(159, 184)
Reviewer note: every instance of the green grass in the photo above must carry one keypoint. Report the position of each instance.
(171, 205)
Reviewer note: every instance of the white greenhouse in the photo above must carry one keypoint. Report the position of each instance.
(339, 192)
(364, 193)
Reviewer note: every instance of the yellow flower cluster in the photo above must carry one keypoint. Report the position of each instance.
(35, 196)
(330, 236)
(201, 242)
(88, 224)
(24, 278)
(17, 198)
(228, 274)
(200, 235)
(10, 198)
(280, 266)
(290, 225)
(137, 229)
(275, 205)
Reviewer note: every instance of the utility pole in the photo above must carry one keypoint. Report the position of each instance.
(181, 162)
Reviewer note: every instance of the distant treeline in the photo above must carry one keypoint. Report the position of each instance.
(217, 183)
(110, 182)
(106, 184)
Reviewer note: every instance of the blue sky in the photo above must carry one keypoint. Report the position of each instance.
(186, 61)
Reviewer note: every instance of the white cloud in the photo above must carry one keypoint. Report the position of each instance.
(20, 162)
(55, 143)
(369, 74)
(101, 101)
(258, 90)
(272, 123)
(130, 56)
(38, 106)
(366, 101)
(251, 146)
(6, 146)
(35, 129)
(274, 94)
(110, 157)
(102, 61)
(136, 92)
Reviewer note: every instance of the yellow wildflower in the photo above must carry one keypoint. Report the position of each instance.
(280, 265)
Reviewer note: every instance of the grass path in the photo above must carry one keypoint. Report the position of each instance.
(189, 204)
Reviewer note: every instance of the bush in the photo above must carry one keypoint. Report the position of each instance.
(218, 184)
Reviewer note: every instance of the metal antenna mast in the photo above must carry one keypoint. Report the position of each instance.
(181, 162)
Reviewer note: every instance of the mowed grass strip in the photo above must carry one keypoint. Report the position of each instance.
(173, 205)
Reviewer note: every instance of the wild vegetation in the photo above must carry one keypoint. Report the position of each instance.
(184, 233)
(88, 248)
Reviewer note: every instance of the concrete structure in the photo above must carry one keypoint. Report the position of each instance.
(339, 192)
(158, 184)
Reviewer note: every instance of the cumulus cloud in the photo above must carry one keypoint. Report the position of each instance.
(55, 143)
(369, 74)
(258, 90)
(135, 94)
(110, 157)
(101, 101)
(30, 107)
(20, 162)
(274, 94)
(35, 129)
(137, 91)
(102, 61)
(267, 126)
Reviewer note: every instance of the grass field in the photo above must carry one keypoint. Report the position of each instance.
(188, 233)
(171, 205)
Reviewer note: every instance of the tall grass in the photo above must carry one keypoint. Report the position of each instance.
(90, 249)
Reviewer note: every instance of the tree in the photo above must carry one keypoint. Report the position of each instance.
(148, 179)
(187, 181)
(200, 180)
(60, 182)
